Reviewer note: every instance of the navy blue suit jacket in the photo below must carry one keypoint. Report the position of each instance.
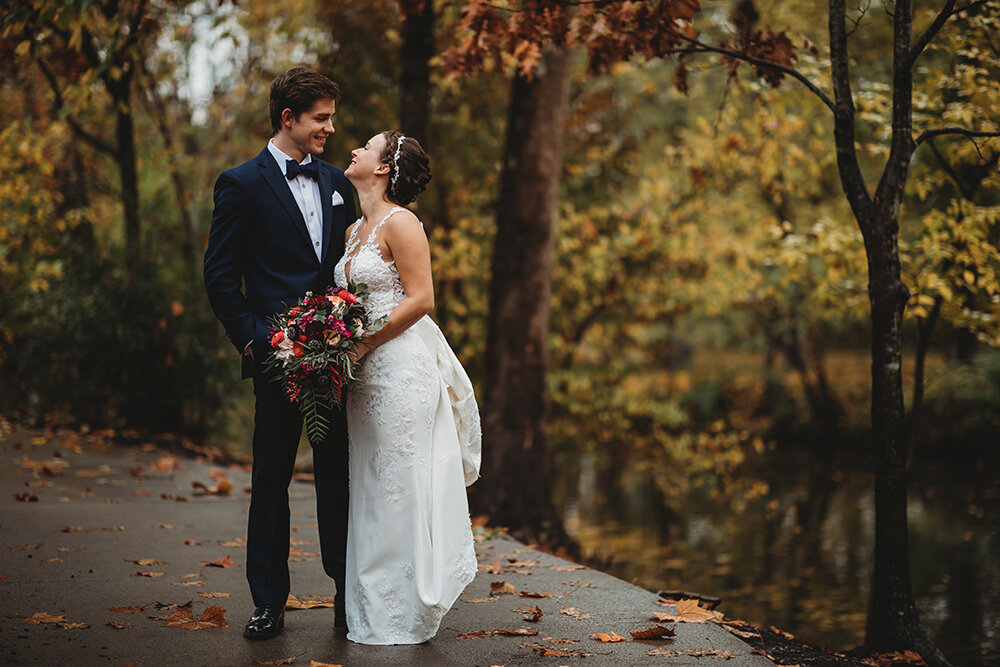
(259, 257)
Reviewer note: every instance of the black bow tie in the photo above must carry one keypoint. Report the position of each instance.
(293, 169)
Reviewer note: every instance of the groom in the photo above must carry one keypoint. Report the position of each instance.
(277, 232)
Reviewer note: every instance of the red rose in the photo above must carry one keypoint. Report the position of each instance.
(277, 338)
(347, 296)
(303, 338)
(298, 350)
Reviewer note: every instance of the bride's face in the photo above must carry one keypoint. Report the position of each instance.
(365, 161)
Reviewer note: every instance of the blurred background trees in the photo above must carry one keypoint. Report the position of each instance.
(708, 323)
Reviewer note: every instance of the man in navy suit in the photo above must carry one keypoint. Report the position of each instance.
(277, 232)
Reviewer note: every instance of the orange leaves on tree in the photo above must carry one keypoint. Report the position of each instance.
(213, 617)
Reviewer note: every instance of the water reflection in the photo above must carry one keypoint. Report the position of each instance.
(799, 556)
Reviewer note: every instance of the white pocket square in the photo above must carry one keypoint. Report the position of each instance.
(337, 199)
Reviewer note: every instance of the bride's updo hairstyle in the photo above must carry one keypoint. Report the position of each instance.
(409, 167)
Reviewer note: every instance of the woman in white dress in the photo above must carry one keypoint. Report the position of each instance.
(414, 428)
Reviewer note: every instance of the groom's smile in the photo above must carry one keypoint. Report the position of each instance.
(312, 128)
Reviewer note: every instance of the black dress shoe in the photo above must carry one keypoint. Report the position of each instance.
(267, 621)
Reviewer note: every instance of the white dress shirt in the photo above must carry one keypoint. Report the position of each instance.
(306, 193)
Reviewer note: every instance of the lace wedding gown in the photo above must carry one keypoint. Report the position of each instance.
(415, 443)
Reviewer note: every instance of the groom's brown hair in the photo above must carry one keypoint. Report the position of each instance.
(298, 89)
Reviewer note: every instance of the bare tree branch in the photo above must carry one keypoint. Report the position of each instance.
(946, 13)
(928, 134)
(760, 62)
(77, 128)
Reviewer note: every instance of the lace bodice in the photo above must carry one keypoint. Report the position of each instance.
(363, 263)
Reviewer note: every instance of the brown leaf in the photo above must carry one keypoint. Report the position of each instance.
(214, 595)
(492, 568)
(316, 663)
(688, 611)
(542, 649)
(502, 588)
(556, 640)
(223, 488)
(74, 626)
(221, 561)
(42, 617)
(192, 543)
(693, 652)
(532, 614)
(128, 610)
(24, 547)
(54, 559)
(65, 549)
(573, 612)
(173, 496)
(581, 584)
(309, 602)
(605, 637)
(292, 541)
(238, 542)
(477, 600)
(897, 659)
(567, 568)
(213, 617)
(179, 605)
(26, 497)
(655, 632)
(145, 562)
(515, 632)
(526, 594)
(154, 575)
(118, 625)
(165, 464)
(474, 634)
(281, 661)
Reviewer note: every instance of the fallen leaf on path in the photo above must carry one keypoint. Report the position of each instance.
(316, 663)
(556, 640)
(515, 632)
(213, 617)
(165, 464)
(492, 568)
(141, 493)
(474, 634)
(502, 588)
(688, 611)
(74, 626)
(65, 549)
(135, 471)
(309, 602)
(605, 637)
(693, 652)
(26, 497)
(145, 562)
(655, 632)
(568, 568)
(169, 525)
(128, 610)
(103, 529)
(193, 575)
(581, 584)
(221, 561)
(573, 612)
(238, 542)
(173, 496)
(223, 488)
(189, 583)
(24, 547)
(477, 600)
(299, 552)
(54, 559)
(42, 617)
(532, 614)
(154, 575)
(526, 594)
(542, 649)
(281, 661)
(118, 625)
(179, 605)
(214, 595)
(522, 563)
(897, 658)
(192, 543)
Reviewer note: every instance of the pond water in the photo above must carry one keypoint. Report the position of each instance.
(798, 555)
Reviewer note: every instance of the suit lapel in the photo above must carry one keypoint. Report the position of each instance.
(272, 175)
(325, 194)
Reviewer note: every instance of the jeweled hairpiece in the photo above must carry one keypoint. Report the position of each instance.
(395, 161)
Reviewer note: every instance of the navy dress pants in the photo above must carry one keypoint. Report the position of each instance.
(277, 429)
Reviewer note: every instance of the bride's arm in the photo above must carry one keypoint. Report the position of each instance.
(412, 254)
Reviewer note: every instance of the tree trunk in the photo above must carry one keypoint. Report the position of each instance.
(126, 159)
(415, 76)
(515, 488)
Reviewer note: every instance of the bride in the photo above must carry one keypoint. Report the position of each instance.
(414, 427)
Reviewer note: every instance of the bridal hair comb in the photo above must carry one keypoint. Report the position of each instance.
(395, 161)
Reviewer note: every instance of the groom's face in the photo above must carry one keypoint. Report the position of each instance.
(311, 128)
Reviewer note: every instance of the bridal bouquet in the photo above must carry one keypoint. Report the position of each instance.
(311, 344)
